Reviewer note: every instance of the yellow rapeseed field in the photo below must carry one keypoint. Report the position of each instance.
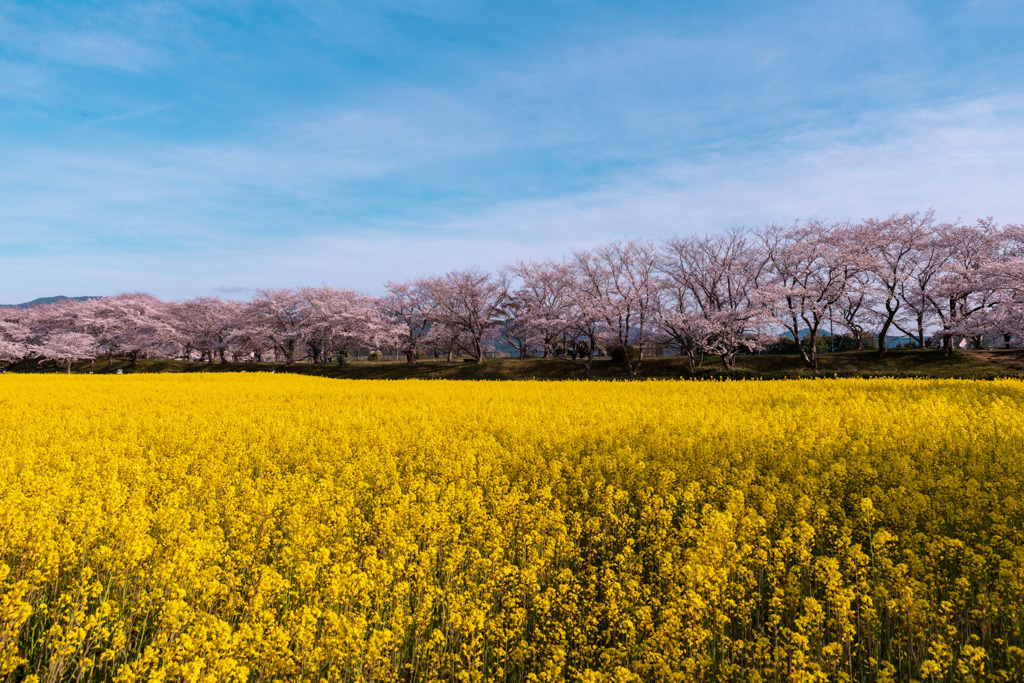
(272, 527)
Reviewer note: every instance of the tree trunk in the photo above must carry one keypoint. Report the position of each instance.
(881, 340)
(627, 361)
(410, 356)
(882, 334)
(948, 346)
(590, 349)
(890, 316)
(800, 348)
(811, 355)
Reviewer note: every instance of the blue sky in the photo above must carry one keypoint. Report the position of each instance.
(213, 147)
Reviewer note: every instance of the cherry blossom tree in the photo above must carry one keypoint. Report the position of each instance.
(916, 291)
(130, 324)
(1006, 272)
(620, 280)
(967, 284)
(50, 321)
(469, 306)
(411, 310)
(67, 348)
(806, 275)
(721, 274)
(852, 310)
(276, 319)
(337, 320)
(13, 334)
(584, 334)
(891, 259)
(205, 325)
(540, 303)
(682, 323)
(704, 294)
(556, 308)
(516, 328)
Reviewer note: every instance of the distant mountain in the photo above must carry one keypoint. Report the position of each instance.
(803, 333)
(42, 301)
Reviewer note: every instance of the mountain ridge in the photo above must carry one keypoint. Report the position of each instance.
(42, 301)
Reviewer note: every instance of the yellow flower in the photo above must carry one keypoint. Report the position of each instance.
(248, 527)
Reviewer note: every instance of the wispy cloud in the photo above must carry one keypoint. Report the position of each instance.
(169, 190)
(21, 80)
(964, 159)
(100, 49)
(113, 118)
(306, 143)
(132, 37)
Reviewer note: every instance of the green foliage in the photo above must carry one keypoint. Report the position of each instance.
(618, 353)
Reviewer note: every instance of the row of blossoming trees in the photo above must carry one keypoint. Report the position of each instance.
(942, 283)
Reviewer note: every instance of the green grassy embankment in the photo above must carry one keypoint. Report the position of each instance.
(986, 364)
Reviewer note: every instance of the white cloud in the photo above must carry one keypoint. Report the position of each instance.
(963, 159)
(114, 118)
(100, 49)
(216, 191)
(134, 37)
(21, 81)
